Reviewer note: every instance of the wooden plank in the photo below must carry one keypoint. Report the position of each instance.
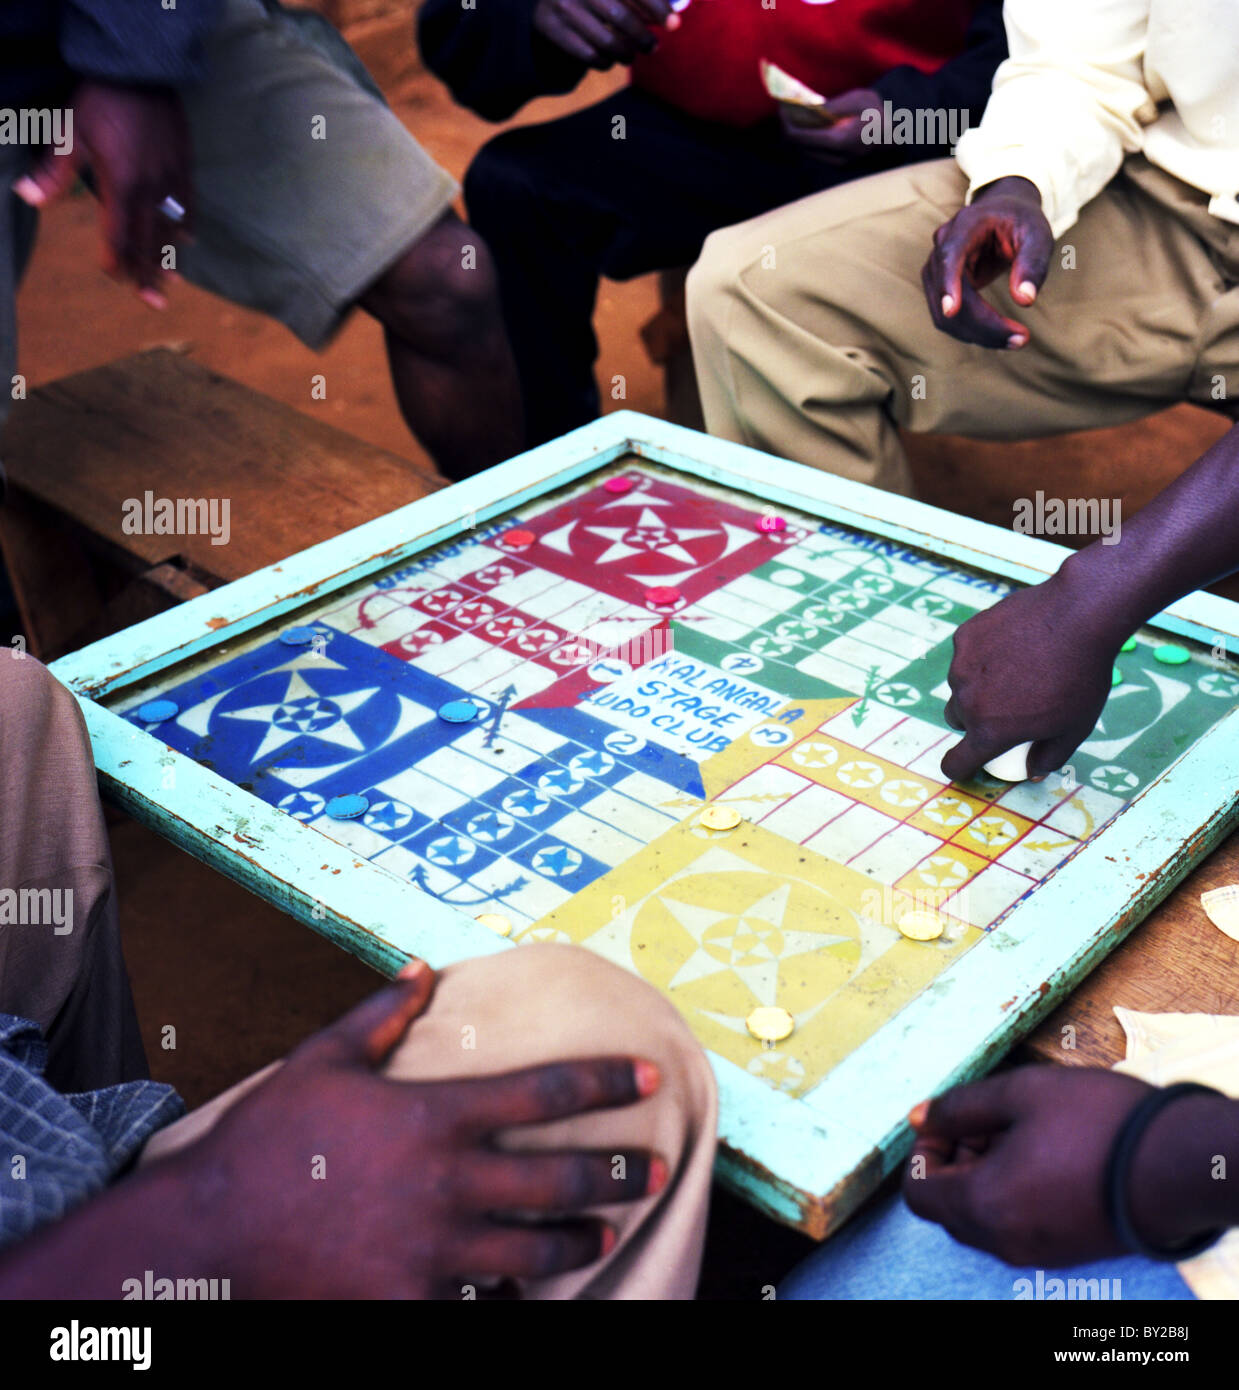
(159, 422)
(1176, 961)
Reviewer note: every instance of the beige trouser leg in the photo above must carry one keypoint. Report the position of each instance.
(539, 1003)
(812, 340)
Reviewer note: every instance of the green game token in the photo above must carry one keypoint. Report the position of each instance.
(1171, 654)
(1129, 645)
(1116, 677)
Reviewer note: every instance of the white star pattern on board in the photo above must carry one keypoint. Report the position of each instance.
(750, 942)
(303, 711)
(649, 533)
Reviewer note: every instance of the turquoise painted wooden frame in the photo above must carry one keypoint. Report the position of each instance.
(808, 1162)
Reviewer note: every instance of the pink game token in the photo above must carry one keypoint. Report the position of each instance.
(662, 595)
(518, 540)
(619, 485)
(772, 523)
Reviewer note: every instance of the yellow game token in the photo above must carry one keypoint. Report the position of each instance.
(721, 818)
(919, 925)
(496, 923)
(770, 1025)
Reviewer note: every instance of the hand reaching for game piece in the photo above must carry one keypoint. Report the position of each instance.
(1002, 229)
(601, 32)
(1016, 1164)
(1031, 668)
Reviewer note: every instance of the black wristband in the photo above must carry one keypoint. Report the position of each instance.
(1118, 1172)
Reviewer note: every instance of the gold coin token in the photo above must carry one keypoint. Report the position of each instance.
(721, 818)
(496, 922)
(770, 1025)
(921, 926)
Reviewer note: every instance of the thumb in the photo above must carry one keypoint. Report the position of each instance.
(965, 759)
(50, 177)
(965, 1111)
(367, 1033)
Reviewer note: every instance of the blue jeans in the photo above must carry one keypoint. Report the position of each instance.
(888, 1253)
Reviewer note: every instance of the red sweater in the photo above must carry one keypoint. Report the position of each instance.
(709, 65)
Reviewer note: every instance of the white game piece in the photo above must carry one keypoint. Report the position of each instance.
(1011, 766)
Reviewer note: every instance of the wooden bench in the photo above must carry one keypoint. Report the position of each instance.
(159, 422)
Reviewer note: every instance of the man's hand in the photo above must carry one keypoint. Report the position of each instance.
(136, 144)
(411, 1189)
(1015, 1164)
(1003, 229)
(1036, 667)
(601, 32)
(838, 143)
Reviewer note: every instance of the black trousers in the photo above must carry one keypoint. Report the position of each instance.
(620, 189)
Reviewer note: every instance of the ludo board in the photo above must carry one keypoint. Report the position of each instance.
(655, 714)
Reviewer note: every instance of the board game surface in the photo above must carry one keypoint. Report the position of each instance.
(795, 676)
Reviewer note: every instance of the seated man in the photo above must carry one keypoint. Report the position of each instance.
(1113, 131)
(585, 1102)
(252, 136)
(635, 183)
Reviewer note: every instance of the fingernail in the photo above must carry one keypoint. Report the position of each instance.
(948, 304)
(1016, 340)
(918, 1114)
(412, 969)
(659, 1173)
(29, 192)
(153, 299)
(646, 1076)
(608, 1239)
(1028, 290)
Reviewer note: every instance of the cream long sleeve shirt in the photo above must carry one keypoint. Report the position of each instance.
(1091, 81)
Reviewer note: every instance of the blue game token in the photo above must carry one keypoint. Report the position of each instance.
(156, 711)
(458, 711)
(298, 636)
(347, 807)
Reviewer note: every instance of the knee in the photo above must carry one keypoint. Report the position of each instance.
(711, 283)
(442, 292)
(35, 708)
(556, 1001)
(502, 177)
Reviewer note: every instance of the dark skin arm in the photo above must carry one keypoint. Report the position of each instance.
(1036, 666)
(413, 1184)
(1003, 229)
(1015, 1165)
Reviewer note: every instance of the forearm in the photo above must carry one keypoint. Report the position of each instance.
(1185, 539)
(1183, 1178)
(160, 1219)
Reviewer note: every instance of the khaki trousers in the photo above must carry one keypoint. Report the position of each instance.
(515, 1009)
(812, 340)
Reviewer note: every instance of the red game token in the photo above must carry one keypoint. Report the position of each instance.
(772, 523)
(518, 540)
(619, 485)
(663, 595)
